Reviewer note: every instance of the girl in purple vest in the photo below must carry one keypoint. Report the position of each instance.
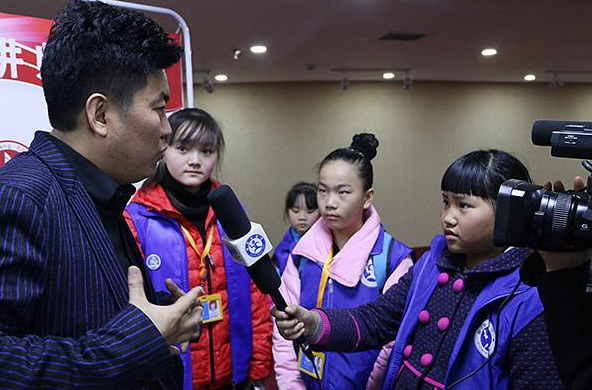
(302, 212)
(180, 238)
(461, 317)
(342, 261)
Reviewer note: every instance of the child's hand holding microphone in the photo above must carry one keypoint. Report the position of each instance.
(296, 322)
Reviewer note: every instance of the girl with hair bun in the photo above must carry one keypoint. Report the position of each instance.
(346, 259)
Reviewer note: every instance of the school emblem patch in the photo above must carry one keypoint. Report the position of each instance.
(368, 276)
(9, 149)
(485, 339)
(153, 262)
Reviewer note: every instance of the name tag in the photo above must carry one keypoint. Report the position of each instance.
(306, 366)
(212, 308)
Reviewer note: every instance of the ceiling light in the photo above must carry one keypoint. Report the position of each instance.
(529, 77)
(236, 53)
(388, 75)
(490, 51)
(258, 49)
(344, 84)
(221, 77)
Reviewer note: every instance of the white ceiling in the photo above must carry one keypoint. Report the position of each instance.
(531, 36)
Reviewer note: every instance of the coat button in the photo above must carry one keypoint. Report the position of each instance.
(443, 278)
(443, 323)
(424, 317)
(458, 285)
(407, 351)
(426, 359)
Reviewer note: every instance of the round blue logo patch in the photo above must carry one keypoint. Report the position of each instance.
(484, 339)
(255, 245)
(368, 276)
(153, 262)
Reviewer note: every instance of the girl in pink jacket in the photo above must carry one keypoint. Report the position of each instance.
(343, 261)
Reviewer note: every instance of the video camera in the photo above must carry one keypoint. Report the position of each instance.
(529, 215)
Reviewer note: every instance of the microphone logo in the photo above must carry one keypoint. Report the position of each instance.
(255, 245)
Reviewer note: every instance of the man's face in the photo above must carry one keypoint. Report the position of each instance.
(138, 135)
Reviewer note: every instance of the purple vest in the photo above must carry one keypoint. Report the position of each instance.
(348, 370)
(284, 249)
(469, 351)
(166, 257)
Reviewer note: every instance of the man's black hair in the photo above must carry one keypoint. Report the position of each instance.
(94, 47)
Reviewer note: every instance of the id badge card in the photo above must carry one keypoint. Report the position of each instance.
(212, 308)
(306, 366)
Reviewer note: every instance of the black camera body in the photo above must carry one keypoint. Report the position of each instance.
(529, 215)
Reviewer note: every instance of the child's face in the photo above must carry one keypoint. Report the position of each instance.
(190, 165)
(341, 196)
(301, 217)
(468, 221)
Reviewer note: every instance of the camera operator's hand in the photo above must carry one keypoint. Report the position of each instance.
(561, 260)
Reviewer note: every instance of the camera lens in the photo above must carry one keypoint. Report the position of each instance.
(559, 223)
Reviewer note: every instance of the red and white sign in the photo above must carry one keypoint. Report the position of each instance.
(9, 149)
(22, 104)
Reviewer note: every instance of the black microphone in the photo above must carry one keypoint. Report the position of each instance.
(236, 225)
(542, 131)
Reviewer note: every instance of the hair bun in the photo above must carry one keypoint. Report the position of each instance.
(365, 143)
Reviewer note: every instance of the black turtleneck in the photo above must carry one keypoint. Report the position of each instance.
(193, 205)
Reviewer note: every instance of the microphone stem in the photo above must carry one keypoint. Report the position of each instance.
(278, 300)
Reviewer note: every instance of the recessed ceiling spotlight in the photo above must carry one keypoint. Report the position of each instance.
(221, 77)
(490, 51)
(529, 77)
(258, 49)
(388, 75)
(344, 84)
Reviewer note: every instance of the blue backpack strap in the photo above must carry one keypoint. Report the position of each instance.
(382, 261)
(299, 262)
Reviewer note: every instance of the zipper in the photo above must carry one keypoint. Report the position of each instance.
(210, 327)
(330, 298)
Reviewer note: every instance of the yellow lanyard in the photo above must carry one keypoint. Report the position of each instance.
(206, 251)
(324, 277)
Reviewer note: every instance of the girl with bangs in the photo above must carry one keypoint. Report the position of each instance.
(302, 211)
(179, 237)
(461, 318)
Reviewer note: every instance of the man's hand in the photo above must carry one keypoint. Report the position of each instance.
(178, 293)
(555, 261)
(177, 323)
(296, 321)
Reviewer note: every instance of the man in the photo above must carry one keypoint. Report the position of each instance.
(562, 280)
(67, 318)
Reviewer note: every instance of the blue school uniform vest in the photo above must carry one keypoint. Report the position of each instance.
(163, 242)
(348, 370)
(474, 340)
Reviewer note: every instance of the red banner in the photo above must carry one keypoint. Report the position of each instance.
(22, 39)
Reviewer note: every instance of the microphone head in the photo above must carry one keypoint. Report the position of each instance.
(229, 212)
(236, 224)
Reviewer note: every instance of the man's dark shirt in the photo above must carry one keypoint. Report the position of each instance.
(110, 200)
